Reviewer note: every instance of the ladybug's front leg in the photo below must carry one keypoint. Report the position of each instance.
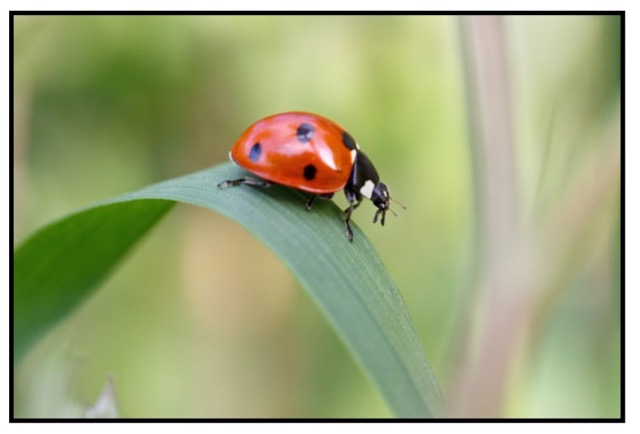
(354, 202)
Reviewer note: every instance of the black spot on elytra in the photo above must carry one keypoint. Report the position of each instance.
(309, 172)
(304, 132)
(255, 152)
(348, 141)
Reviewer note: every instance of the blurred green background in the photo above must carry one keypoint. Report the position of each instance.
(107, 104)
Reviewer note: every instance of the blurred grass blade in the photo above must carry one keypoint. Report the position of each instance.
(64, 262)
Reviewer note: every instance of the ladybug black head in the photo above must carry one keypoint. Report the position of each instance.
(380, 198)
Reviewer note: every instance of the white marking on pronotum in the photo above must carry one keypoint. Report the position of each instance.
(357, 146)
(367, 189)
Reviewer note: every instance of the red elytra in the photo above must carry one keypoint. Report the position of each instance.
(313, 154)
(282, 156)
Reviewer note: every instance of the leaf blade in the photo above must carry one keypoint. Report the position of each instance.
(348, 281)
(55, 269)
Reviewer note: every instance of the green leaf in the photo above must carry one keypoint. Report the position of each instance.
(62, 263)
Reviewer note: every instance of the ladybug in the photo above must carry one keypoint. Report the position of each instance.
(310, 153)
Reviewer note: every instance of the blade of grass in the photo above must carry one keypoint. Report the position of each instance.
(58, 266)
(348, 281)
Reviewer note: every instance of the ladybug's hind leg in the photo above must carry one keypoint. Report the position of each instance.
(246, 180)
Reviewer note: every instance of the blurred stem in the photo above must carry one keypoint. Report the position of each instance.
(489, 116)
(480, 380)
(518, 265)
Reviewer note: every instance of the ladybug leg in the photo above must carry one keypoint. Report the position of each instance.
(347, 219)
(347, 226)
(246, 180)
(312, 199)
(354, 202)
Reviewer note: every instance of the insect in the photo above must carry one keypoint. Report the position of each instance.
(310, 153)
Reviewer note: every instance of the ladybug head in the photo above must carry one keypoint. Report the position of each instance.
(380, 198)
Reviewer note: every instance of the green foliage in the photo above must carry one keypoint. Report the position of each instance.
(61, 264)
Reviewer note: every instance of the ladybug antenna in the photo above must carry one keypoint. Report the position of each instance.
(391, 209)
(403, 207)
